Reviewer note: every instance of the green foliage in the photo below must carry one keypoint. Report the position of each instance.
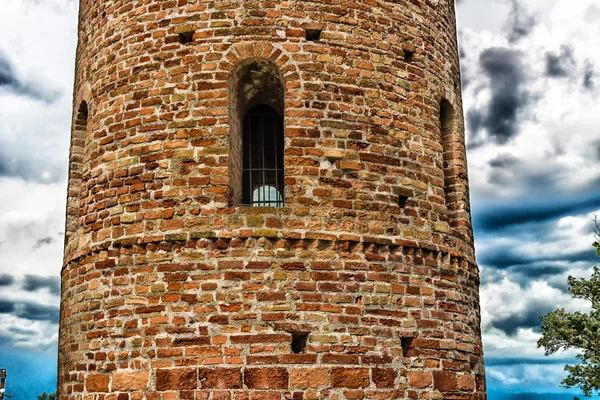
(46, 396)
(577, 330)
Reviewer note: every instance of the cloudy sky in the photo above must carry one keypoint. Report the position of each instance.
(531, 81)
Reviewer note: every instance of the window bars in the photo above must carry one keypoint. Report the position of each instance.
(262, 179)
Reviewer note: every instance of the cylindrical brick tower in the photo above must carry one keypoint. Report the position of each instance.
(268, 200)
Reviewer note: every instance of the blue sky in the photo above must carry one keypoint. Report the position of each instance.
(531, 88)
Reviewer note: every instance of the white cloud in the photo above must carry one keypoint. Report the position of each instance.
(559, 133)
(533, 377)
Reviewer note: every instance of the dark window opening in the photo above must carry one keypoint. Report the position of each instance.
(406, 343)
(82, 117)
(447, 132)
(262, 179)
(446, 117)
(299, 340)
(408, 55)
(76, 157)
(186, 37)
(313, 34)
(402, 201)
(256, 136)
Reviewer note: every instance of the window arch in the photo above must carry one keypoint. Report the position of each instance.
(256, 111)
(448, 141)
(78, 137)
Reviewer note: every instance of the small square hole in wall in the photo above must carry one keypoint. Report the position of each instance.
(299, 340)
(408, 55)
(186, 37)
(402, 201)
(313, 34)
(406, 343)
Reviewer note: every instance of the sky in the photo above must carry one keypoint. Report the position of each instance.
(531, 90)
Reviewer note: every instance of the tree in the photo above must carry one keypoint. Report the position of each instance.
(46, 396)
(577, 330)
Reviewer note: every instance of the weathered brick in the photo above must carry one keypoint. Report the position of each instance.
(353, 378)
(176, 379)
(97, 383)
(384, 377)
(309, 378)
(445, 381)
(266, 378)
(125, 381)
(220, 378)
(420, 379)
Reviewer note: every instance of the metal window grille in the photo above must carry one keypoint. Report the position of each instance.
(262, 179)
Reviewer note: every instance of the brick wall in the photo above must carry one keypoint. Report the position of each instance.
(171, 292)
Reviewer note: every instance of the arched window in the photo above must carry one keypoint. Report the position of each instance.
(78, 137)
(256, 170)
(448, 141)
(262, 180)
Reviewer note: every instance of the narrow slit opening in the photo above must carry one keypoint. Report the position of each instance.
(402, 201)
(313, 34)
(299, 340)
(408, 55)
(186, 37)
(406, 343)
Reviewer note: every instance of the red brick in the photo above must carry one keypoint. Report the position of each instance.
(445, 381)
(419, 380)
(220, 378)
(176, 379)
(466, 383)
(353, 378)
(309, 378)
(266, 378)
(125, 381)
(97, 383)
(384, 377)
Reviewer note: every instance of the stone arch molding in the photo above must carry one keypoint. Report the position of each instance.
(279, 78)
(84, 94)
(77, 152)
(268, 51)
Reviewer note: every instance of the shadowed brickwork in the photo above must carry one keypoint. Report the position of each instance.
(362, 286)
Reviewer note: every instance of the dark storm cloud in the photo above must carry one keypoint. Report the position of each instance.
(537, 265)
(560, 65)
(504, 160)
(21, 331)
(37, 312)
(6, 280)
(529, 318)
(6, 307)
(30, 311)
(32, 166)
(11, 81)
(33, 283)
(588, 76)
(43, 242)
(496, 361)
(520, 22)
(534, 181)
(504, 69)
(497, 218)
